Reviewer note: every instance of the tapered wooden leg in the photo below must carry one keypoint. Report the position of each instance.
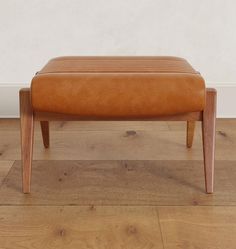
(190, 133)
(208, 132)
(45, 133)
(27, 130)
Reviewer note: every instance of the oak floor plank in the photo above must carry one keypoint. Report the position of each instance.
(118, 145)
(198, 227)
(14, 125)
(120, 183)
(109, 125)
(105, 145)
(79, 227)
(181, 126)
(122, 143)
(9, 124)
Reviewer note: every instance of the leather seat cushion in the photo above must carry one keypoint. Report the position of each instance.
(118, 87)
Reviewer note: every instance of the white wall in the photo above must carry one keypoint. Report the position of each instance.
(203, 31)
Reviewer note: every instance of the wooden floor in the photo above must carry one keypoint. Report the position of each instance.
(118, 185)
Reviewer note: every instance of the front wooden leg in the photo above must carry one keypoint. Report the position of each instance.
(208, 134)
(27, 131)
(190, 133)
(45, 133)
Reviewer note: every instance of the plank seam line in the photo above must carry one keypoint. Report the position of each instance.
(7, 174)
(159, 224)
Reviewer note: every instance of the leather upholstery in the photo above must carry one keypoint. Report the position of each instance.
(118, 87)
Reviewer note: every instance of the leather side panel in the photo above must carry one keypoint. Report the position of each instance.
(121, 95)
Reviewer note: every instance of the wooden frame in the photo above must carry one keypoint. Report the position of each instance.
(207, 117)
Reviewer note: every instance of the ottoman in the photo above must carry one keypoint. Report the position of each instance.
(118, 88)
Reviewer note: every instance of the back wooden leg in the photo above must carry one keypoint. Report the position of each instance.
(27, 130)
(190, 133)
(208, 134)
(45, 133)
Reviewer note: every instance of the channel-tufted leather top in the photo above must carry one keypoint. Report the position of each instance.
(118, 87)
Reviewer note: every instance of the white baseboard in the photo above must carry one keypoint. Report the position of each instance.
(9, 100)
(226, 99)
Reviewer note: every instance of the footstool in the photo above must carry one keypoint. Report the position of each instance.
(118, 88)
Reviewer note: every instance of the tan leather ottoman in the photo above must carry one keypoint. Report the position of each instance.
(118, 88)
